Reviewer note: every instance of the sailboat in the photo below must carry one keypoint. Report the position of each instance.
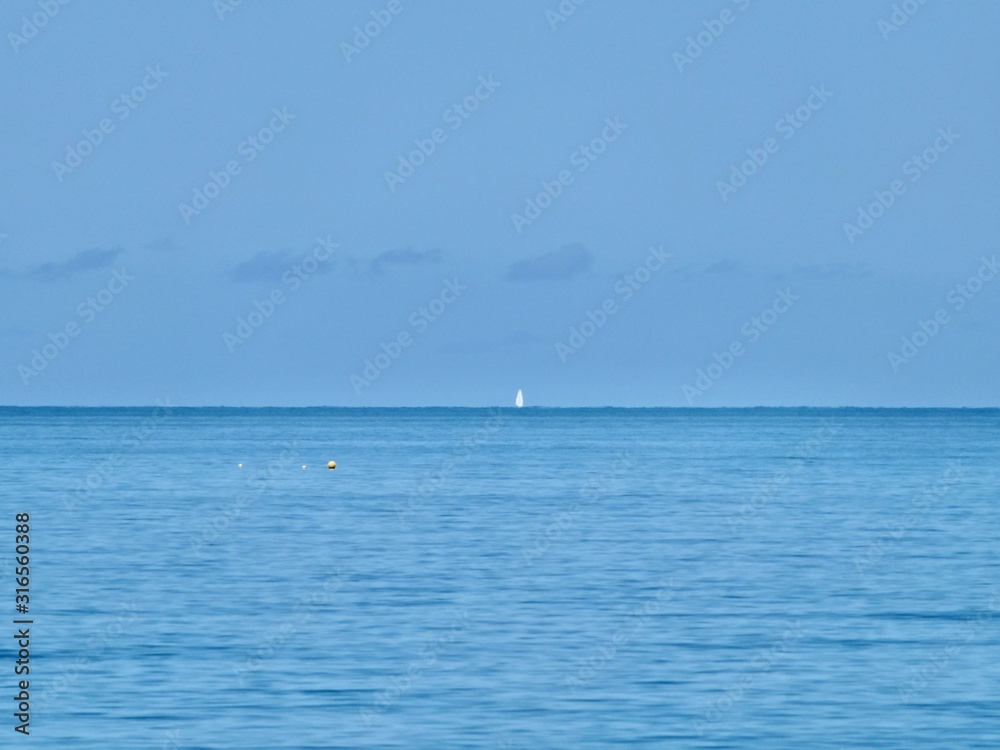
(519, 401)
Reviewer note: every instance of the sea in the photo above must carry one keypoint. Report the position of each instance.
(501, 578)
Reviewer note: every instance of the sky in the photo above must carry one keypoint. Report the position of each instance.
(718, 203)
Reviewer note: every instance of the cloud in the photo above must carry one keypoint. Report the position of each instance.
(269, 266)
(166, 245)
(844, 269)
(564, 263)
(405, 256)
(94, 259)
(264, 265)
(722, 267)
(839, 269)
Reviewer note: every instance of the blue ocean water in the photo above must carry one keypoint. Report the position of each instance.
(534, 578)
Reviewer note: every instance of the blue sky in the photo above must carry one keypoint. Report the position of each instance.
(641, 204)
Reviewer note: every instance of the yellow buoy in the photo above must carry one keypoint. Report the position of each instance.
(332, 465)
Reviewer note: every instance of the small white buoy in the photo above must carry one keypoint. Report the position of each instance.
(240, 465)
(303, 466)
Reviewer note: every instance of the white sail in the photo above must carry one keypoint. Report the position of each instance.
(520, 399)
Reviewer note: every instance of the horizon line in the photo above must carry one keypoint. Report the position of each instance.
(493, 406)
